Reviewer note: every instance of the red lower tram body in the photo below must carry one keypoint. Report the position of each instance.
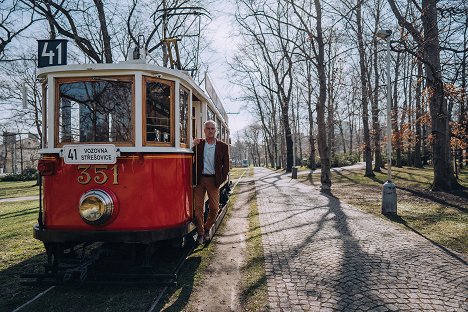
(151, 196)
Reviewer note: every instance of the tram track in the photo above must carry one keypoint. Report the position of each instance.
(34, 299)
(157, 283)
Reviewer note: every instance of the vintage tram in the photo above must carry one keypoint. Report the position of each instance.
(116, 161)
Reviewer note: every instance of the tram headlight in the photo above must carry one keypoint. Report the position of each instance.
(96, 207)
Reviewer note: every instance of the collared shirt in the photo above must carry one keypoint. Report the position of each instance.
(209, 158)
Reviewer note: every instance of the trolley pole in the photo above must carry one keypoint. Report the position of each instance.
(389, 197)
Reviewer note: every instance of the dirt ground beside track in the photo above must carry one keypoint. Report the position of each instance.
(219, 291)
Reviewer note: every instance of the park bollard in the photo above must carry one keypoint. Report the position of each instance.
(389, 199)
(294, 173)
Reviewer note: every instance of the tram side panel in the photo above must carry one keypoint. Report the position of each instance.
(152, 192)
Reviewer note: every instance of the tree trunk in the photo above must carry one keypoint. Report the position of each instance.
(395, 128)
(463, 109)
(106, 40)
(312, 165)
(375, 114)
(325, 176)
(417, 147)
(288, 138)
(444, 178)
(364, 94)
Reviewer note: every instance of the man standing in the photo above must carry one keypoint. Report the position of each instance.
(212, 168)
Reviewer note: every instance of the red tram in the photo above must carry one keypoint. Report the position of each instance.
(116, 162)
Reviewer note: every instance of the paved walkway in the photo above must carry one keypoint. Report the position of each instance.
(323, 255)
(356, 166)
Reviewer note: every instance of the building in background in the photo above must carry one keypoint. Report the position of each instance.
(18, 151)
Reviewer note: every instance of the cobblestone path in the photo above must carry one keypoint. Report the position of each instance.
(323, 255)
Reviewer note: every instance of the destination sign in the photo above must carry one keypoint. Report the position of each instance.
(90, 154)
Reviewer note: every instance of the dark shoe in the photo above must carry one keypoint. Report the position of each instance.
(200, 239)
(207, 237)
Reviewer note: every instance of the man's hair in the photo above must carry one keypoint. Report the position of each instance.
(210, 121)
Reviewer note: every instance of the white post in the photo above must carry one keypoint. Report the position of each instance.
(389, 197)
(389, 115)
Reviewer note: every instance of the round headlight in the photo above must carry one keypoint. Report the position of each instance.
(96, 207)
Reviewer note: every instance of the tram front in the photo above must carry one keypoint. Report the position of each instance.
(116, 163)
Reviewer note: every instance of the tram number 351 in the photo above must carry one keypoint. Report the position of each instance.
(100, 174)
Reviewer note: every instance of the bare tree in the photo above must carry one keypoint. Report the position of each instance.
(84, 22)
(255, 79)
(21, 76)
(14, 20)
(318, 48)
(444, 178)
(375, 91)
(364, 90)
(268, 28)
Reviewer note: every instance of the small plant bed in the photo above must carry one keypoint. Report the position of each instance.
(441, 217)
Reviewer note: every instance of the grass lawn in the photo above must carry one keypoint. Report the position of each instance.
(440, 217)
(17, 189)
(19, 251)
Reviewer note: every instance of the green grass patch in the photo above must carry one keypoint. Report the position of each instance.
(16, 241)
(441, 217)
(254, 293)
(19, 252)
(236, 173)
(17, 189)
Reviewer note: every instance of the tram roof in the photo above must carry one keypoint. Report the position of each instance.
(154, 70)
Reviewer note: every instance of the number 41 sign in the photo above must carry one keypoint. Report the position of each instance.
(52, 52)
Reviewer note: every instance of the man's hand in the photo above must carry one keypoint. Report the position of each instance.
(196, 141)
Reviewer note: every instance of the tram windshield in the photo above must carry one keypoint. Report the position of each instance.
(95, 110)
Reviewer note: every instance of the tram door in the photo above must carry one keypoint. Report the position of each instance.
(195, 132)
(196, 120)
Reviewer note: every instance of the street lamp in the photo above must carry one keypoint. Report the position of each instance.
(389, 198)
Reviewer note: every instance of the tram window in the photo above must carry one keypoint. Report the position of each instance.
(98, 110)
(183, 109)
(211, 114)
(218, 134)
(158, 111)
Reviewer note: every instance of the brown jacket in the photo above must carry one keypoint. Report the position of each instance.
(221, 161)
